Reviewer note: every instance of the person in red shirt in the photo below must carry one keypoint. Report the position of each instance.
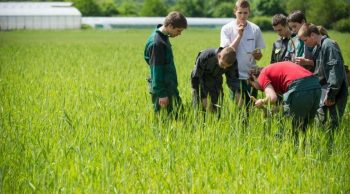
(300, 89)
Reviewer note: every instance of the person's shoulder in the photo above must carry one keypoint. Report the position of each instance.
(209, 51)
(229, 25)
(253, 26)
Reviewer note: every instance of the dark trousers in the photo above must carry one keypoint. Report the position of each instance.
(246, 91)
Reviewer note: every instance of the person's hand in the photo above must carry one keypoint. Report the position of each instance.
(205, 102)
(257, 54)
(240, 29)
(259, 103)
(329, 102)
(163, 102)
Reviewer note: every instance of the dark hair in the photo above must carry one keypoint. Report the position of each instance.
(306, 30)
(255, 71)
(176, 20)
(279, 19)
(242, 4)
(296, 16)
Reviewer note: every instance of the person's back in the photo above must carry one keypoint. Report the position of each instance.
(282, 74)
(206, 77)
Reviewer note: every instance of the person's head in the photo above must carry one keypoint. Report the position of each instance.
(253, 75)
(309, 33)
(226, 57)
(280, 25)
(295, 20)
(242, 11)
(175, 23)
(322, 31)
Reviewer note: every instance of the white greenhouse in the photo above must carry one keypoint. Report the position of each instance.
(35, 15)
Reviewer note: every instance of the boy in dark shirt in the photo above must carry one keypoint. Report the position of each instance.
(206, 77)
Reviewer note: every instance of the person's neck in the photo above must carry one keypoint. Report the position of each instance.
(288, 35)
(319, 39)
(163, 30)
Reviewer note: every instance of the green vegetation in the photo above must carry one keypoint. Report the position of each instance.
(75, 117)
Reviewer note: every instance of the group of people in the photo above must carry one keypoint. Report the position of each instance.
(306, 73)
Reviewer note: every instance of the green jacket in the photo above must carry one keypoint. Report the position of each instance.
(330, 69)
(159, 56)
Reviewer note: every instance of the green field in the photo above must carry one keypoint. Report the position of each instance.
(76, 117)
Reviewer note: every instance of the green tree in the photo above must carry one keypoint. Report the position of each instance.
(154, 8)
(190, 8)
(87, 7)
(268, 7)
(224, 10)
(129, 9)
(109, 8)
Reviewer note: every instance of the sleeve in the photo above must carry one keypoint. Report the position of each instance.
(273, 60)
(263, 80)
(158, 64)
(232, 77)
(198, 71)
(225, 37)
(336, 76)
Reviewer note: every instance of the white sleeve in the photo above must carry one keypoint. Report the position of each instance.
(225, 37)
(259, 39)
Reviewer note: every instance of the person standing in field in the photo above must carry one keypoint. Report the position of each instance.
(206, 77)
(246, 38)
(281, 48)
(159, 56)
(300, 89)
(331, 73)
(302, 54)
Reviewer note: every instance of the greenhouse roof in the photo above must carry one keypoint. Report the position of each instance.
(38, 9)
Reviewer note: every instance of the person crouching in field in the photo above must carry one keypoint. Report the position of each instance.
(331, 73)
(300, 89)
(206, 77)
(159, 56)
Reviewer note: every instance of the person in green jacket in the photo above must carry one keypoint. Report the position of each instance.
(159, 57)
(302, 53)
(330, 71)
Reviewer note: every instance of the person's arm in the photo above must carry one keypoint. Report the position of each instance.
(238, 38)
(334, 62)
(226, 35)
(260, 44)
(232, 77)
(270, 97)
(158, 70)
(273, 54)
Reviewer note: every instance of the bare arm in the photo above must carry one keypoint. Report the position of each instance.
(271, 97)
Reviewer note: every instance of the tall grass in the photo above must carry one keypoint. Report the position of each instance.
(75, 116)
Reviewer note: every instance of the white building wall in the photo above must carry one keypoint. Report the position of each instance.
(34, 15)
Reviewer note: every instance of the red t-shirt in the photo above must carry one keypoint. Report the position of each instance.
(280, 75)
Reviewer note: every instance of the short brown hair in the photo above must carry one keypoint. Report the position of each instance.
(279, 19)
(296, 16)
(306, 30)
(242, 4)
(322, 31)
(254, 72)
(176, 20)
(228, 55)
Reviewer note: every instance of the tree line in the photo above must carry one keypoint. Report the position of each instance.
(331, 14)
